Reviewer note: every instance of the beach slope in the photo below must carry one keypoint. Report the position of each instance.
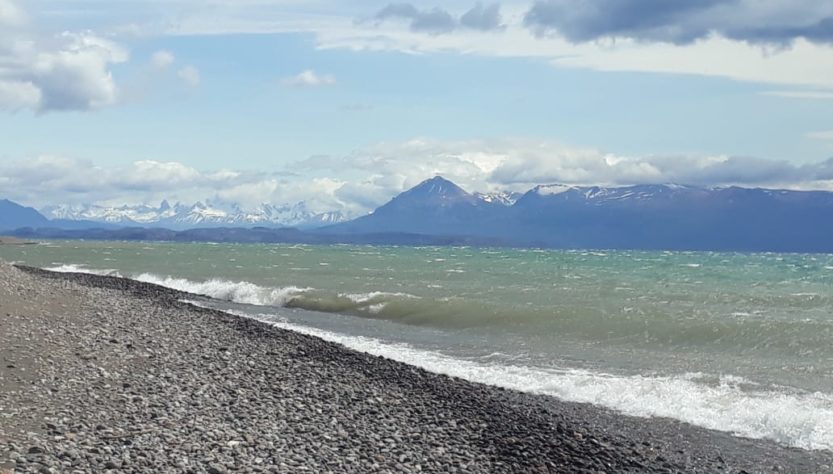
(103, 373)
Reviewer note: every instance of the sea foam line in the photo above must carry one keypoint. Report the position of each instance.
(249, 293)
(799, 420)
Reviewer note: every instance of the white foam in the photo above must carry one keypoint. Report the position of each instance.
(238, 292)
(373, 295)
(242, 292)
(71, 268)
(803, 420)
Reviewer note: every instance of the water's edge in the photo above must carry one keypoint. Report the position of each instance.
(729, 404)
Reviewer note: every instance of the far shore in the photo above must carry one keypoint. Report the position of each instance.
(14, 241)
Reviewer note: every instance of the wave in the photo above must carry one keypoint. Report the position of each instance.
(737, 331)
(727, 403)
(237, 292)
(72, 268)
(370, 303)
(802, 420)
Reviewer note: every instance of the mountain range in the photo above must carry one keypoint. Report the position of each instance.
(437, 211)
(629, 217)
(199, 215)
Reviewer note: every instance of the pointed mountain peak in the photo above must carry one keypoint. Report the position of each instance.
(438, 186)
(164, 205)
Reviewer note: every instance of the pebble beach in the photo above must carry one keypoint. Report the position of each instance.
(106, 374)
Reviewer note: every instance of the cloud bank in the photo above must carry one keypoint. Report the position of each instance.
(309, 78)
(371, 176)
(770, 41)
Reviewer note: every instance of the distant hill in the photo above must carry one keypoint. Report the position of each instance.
(676, 217)
(253, 235)
(438, 212)
(13, 215)
(669, 217)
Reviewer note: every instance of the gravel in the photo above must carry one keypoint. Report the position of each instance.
(106, 374)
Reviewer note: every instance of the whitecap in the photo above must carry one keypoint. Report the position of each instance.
(799, 419)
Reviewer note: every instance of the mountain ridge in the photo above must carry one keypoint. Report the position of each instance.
(646, 216)
(200, 214)
(14, 215)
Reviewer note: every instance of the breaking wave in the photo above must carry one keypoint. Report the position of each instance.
(726, 403)
(797, 418)
(72, 268)
(370, 303)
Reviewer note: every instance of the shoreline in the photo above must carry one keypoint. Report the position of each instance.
(4, 240)
(228, 386)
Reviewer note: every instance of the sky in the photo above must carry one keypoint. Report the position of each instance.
(344, 104)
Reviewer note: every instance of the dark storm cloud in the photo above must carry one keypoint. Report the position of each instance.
(683, 21)
(482, 17)
(817, 32)
(437, 21)
(434, 21)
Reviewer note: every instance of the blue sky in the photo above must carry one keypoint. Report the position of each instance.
(343, 105)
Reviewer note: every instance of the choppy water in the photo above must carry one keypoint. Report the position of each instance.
(736, 342)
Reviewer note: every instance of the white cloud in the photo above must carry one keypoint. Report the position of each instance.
(801, 63)
(190, 76)
(66, 180)
(826, 135)
(70, 71)
(804, 63)
(377, 173)
(802, 94)
(147, 174)
(10, 14)
(77, 76)
(309, 78)
(798, 62)
(162, 59)
(49, 180)
(358, 182)
(16, 95)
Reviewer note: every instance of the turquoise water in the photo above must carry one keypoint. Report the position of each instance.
(738, 342)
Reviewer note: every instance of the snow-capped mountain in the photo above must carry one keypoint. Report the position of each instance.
(199, 214)
(507, 198)
(599, 195)
(437, 211)
(655, 216)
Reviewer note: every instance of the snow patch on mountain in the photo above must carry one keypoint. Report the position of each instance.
(199, 214)
(506, 198)
(552, 189)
